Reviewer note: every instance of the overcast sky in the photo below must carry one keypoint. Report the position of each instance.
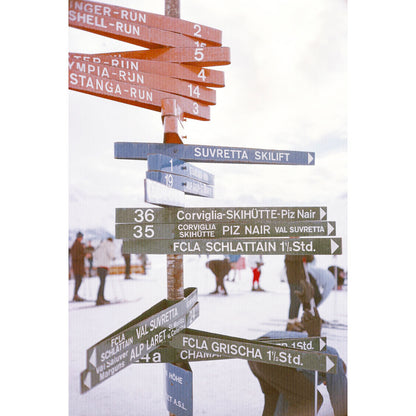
(286, 89)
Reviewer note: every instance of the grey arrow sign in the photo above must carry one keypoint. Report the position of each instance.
(137, 338)
(222, 214)
(217, 154)
(224, 230)
(299, 246)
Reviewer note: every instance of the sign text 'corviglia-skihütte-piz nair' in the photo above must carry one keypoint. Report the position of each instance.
(172, 75)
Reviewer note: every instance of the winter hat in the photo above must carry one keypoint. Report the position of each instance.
(79, 234)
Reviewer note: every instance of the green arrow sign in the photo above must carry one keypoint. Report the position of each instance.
(222, 230)
(137, 338)
(167, 353)
(224, 214)
(300, 246)
(208, 343)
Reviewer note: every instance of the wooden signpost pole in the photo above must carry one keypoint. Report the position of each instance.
(171, 119)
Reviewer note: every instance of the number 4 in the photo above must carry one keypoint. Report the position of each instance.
(202, 74)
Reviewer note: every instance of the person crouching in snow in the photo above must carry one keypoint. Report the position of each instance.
(290, 391)
(220, 268)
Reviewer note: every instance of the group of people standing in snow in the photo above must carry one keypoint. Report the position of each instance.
(102, 257)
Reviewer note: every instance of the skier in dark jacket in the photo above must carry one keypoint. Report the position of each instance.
(78, 267)
(220, 268)
(296, 279)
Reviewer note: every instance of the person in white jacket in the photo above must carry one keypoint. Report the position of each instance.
(104, 254)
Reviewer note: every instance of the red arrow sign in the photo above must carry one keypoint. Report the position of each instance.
(156, 82)
(124, 14)
(203, 76)
(134, 94)
(126, 31)
(195, 56)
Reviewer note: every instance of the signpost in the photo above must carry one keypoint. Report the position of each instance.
(220, 214)
(281, 246)
(159, 194)
(210, 154)
(182, 183)
(179, 167)
(137, 338)
(198, 56)
(124, 14)
(134, 94)
(168, 353)
(179, 398)
(146, 80)
(171, 77)
(130, 32)
(212, 230)
(255, 351)
(126, 61)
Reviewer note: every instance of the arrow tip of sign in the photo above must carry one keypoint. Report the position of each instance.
(310, 159)
(334, 246)
(93, 358)
(85, 381)
(329, 364)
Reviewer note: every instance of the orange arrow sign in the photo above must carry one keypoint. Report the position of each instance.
(134, 94)
(195, 56)
(156, 82)
(203, 76)
(124, 14)
(126, 31)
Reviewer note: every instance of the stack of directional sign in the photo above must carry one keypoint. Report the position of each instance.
(173, 67)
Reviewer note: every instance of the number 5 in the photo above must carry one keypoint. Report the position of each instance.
(199, 54)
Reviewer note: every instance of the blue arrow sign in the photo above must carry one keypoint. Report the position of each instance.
(217, 154)
(179, 389)
(179, 167)
(182, 183)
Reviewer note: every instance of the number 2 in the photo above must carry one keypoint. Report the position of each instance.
(197, 31)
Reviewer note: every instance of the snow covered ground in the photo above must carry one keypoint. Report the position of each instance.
(220, 388)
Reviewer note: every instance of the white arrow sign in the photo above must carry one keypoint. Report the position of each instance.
(329, 364)
(310, 158)
(323, 213)
(93, 358)
(87, 380)
(322, 344)
(330, 228)
(334, 246)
